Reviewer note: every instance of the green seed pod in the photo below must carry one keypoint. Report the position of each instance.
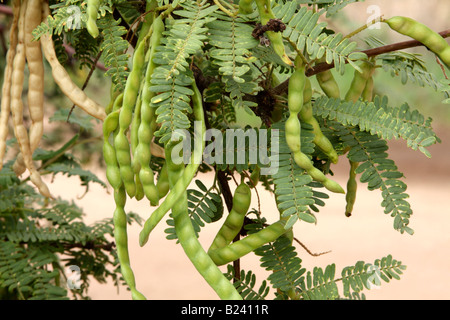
(188, 240)
(359, 81)
(91, 10)
(306, 115)
(163, 182)
(109, 153)
(245, 6)
(276, 39)
(147, 125)
(235, 219)
(420, 32)
(130, 95)
(124, 159)
(299, 83)
(121, 239)
(240, 248)
(112, 169)
(188, 173)
(328, 83)
(147, 179)
(352, 186)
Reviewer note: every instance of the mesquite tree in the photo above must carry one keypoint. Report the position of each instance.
(199, 87)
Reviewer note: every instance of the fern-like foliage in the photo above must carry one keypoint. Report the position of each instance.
(74, 169)
(114, 49)
(86, 47)
(320, 284)
(171, 79)
(232, 42)
(293, 186)
(379, 172)
(409, 67)
(245, 284)
(40, 237)
(280, 258)
(61, 161)
(62, 18)
(304, 32)
(23, 275)
(330, 7)
(205, 206)
(379, 118)
(225, 112)
(293, 281)
(369, 275)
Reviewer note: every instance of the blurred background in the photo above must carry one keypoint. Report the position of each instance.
(164, 272)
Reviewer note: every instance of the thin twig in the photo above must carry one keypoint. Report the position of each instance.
(442, 67)
(97, 58)
(256, 190)
(364, 27)
(221, 7)
(309, 251)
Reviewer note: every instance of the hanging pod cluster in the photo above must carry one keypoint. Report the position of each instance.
(299, 92)
(130, 124)
(25, 51)
(128, 133)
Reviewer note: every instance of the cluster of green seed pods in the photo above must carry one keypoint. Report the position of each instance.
(129, 128)
(296, 99)
(126, 114)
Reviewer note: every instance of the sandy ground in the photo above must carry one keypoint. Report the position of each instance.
(164, 272)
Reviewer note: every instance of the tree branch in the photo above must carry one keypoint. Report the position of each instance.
(282, 88)
(7, 10)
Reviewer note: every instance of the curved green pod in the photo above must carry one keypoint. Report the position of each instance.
(235, 219)
(422, 33)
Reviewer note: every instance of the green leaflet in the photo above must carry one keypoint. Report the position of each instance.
(368, 275)
(305, 32)
(22, 272)
(114, 48)
(30, 265)
(295, 282)
(379, 118)
(245, 284)
(205, 206)
(232, 42)
(280, 258)
(182, 39)
(378, 172)
(293, 187)
(409, 67)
